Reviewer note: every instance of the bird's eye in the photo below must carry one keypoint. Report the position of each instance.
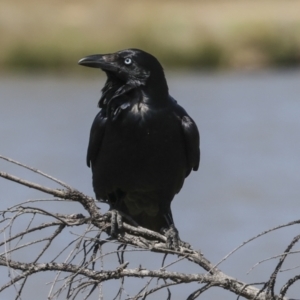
(127, 61)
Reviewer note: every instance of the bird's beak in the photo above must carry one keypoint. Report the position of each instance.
(106, 62)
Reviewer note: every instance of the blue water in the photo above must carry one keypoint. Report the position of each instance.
(248, 181)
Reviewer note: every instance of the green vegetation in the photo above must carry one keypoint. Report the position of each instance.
(53, 35)
(28, 59)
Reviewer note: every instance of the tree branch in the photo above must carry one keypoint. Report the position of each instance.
(218, 279)
(84, 273)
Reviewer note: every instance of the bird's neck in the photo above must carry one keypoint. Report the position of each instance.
(156, 91)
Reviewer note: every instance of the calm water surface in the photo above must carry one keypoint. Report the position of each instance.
(249, 178)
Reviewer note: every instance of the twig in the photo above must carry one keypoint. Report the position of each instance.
(270, 289)
(255, 237)
(273, 257)
(285, 288)
(37, 171)
(198, 292)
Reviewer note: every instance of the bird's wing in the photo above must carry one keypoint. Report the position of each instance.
(191, 137)
(192, 141)
(96, 136)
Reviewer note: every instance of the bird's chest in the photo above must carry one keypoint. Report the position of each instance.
(142, 139)
(142, 126)
(141, 148)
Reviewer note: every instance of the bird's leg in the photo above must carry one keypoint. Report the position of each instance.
(116, 221)
(114, 214)
(172, 235)
(116, 218)
(117, 215)
(171, 232)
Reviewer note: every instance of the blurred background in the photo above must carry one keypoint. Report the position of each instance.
(233, 65)
(51, 35)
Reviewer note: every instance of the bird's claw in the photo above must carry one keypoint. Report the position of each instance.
(116, 221)
(173, 240)
(172, 236)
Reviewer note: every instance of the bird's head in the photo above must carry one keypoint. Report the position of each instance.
(131, 67)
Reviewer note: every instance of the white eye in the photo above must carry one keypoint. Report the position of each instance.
(127, 61)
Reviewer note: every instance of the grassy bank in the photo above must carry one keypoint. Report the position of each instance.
(53, 35)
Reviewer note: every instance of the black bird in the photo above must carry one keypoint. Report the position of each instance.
(142, 143)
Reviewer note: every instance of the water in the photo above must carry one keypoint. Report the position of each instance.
(248, 181)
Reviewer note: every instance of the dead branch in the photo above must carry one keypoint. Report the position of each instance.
(80, 270)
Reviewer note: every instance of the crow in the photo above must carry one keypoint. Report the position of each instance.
(142, 143)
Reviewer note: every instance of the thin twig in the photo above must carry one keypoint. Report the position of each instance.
(37, 171)
(285, 288)
(273, 257)
(255, 237)
(270, 289)
(198, 292)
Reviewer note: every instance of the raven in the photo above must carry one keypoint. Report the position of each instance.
(142, 143)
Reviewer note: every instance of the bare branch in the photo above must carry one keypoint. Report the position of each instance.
(198, 292)
(84, 261)
(270, 289)
(285, 288)
(255, 237)
(274, 257)
(36, 171)
(56, 193)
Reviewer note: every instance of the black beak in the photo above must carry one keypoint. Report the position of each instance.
(106, 62)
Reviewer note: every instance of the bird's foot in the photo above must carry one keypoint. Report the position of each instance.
(173, 240)
(116, 222)
(172, 236)
(116, 218)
